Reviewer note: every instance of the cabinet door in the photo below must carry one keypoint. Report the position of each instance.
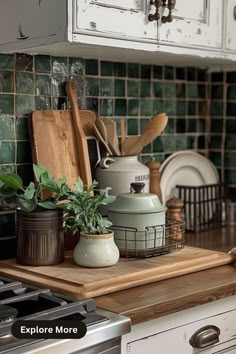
(126, 19)
(230, 41)
(196, 23)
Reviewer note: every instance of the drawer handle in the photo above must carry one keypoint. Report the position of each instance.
(205, 337)
(235, 12)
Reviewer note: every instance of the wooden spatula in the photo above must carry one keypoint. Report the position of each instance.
(123, 134)
(112, 138)
(81, 141)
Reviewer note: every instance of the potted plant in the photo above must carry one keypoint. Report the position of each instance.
(96, 246)
(39, 216)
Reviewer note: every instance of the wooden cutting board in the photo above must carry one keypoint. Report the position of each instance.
(54, 144)
(78, 282)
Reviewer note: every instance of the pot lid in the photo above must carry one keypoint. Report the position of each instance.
(136, 202)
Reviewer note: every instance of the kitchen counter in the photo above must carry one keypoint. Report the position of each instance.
(155, 300)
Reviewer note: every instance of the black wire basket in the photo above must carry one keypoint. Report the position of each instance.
(153, 241)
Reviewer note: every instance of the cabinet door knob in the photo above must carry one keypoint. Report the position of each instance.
(205, 337)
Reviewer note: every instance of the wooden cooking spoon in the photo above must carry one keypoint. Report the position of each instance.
(112, 137)
(100, 138)
(143, 140)
(156, 125)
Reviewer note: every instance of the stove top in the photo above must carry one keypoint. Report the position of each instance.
(19, 301)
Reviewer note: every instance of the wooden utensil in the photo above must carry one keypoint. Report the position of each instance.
(101, 139)
(157, 124)
(81, 142)
(123, 134)
(144, 139)
(129, 143)
(112, 138)
(53, 141)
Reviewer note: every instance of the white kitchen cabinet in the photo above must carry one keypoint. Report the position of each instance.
(172, 333)
(195, 23)
(230, 38)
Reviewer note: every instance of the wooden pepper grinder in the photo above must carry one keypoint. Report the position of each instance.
(154, 186)
(174, 212)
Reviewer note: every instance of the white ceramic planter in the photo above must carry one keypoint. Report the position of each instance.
(95, 251)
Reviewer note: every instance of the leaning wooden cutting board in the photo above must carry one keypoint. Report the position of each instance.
(78, 282)
(54, 144)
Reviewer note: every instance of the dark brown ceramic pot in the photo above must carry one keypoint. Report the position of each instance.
(40, 237)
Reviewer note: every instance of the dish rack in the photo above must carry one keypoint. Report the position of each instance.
(153, 241)
(203, 206)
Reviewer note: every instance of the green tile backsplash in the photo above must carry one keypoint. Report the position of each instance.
(201, 106)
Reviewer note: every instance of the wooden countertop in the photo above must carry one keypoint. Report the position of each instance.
(151, 301)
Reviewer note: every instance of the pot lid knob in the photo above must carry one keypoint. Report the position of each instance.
(137, 187)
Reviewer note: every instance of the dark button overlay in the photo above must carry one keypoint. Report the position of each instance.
(43, 329)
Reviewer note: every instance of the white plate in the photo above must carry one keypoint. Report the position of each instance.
(186, 168)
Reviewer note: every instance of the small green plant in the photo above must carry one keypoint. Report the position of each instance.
(45, 194)
(81, 211)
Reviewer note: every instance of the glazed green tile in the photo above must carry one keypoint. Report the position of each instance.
(77, 66)
(169, 143)
(215, 157)
(133, 107)
(157, 89)
(132, 126)
(91, 67)
(201, 91)
(201, 74)
(230, 159)
(22, 130)
(180, 73)
(132, 88)
(7, 152)
(180, 108)
(231, 92)
(59, 65)
(119, 88)
(192, 91)
(44, 103)
(217, 91)
(143, 123)
(203, 108)
(91, 104)
(230, 176)
(42, 63)
(91, 86)
(217, 108)
(191, 142)
(170, 128)
(23, 152)
(106, 87)
(191, 74)
(158, 106)
(6, 81)
(146, 107)
(7, 61)
(180, 90)
(119, 69)
(201, 125)
(145, 71)
(106, 107)
(158, 72)
(24, 83)
(216, 142)
(147, 149)
(145, 159)
(5, 169)
(7, 104)
(117, 120)
(106, 68)
(42, 85)
(25, 171)
(133, 70)
(192, 108)
(168, 72)
(181, 142)
(24, 104)
(58, 85)
(230, 126)
(157, 145)
(170, 107)
(24, 62)
(231, 109)
(231, 77)
(181, 125)
(120, 107)
(217, 125)
(7, 130)
(145, 89)
(191, 125)
(169, 89)
(217, 77)
(158, 157)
